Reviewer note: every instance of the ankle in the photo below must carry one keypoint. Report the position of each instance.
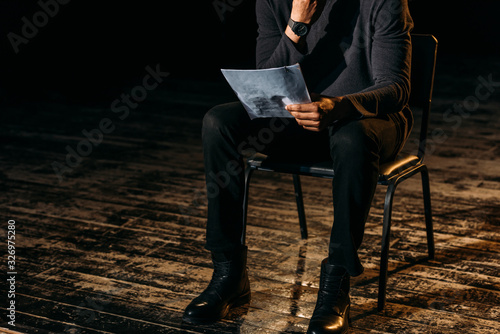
(230, 255)
(335, 269)
(222, 256)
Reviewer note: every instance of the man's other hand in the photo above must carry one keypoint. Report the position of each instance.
(322, 112)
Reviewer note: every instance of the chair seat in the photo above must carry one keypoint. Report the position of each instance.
(324, 168)
(266, 163)
(390, 169)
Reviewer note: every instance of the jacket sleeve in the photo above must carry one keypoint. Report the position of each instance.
(390, 60)
(274, 48)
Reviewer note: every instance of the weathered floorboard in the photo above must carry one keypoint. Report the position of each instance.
(116, 246)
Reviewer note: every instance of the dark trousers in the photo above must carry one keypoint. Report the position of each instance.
(356, 148)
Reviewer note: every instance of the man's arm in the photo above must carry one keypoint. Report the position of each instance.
(276, 48)
(303, 11)
(391, 62)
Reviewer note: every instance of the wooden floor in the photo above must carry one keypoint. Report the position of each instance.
(117, 246)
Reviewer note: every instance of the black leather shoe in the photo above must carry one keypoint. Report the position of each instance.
(228, 288)
(331, 314)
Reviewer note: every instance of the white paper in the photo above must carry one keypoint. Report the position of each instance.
(265, 93)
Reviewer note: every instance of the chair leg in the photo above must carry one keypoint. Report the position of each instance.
(384, 256)
(428, 212)
(248, 175)
(300, 206)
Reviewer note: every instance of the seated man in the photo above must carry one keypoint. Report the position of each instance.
(355, 55)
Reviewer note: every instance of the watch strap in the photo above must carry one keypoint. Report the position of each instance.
(299, 28)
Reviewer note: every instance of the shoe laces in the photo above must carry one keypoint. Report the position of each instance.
(331, 287)
(221, 272)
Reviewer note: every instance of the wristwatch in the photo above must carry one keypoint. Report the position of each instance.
(299, 28)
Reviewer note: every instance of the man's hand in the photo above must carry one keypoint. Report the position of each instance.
(321, 113)
(305, 11)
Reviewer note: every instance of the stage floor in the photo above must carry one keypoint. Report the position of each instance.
(116, 244)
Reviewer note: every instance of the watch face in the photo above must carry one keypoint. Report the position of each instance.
(301, 29)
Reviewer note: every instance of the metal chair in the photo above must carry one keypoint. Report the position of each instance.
(424, 50)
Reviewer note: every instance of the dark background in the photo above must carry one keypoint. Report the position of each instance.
(90, 50)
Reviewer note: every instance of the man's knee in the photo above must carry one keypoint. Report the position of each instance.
(221, 118)
(351, 139)
(213, 120)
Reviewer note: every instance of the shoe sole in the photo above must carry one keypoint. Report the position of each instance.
(240, 301)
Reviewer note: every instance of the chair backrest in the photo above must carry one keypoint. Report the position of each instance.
(424, 51)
